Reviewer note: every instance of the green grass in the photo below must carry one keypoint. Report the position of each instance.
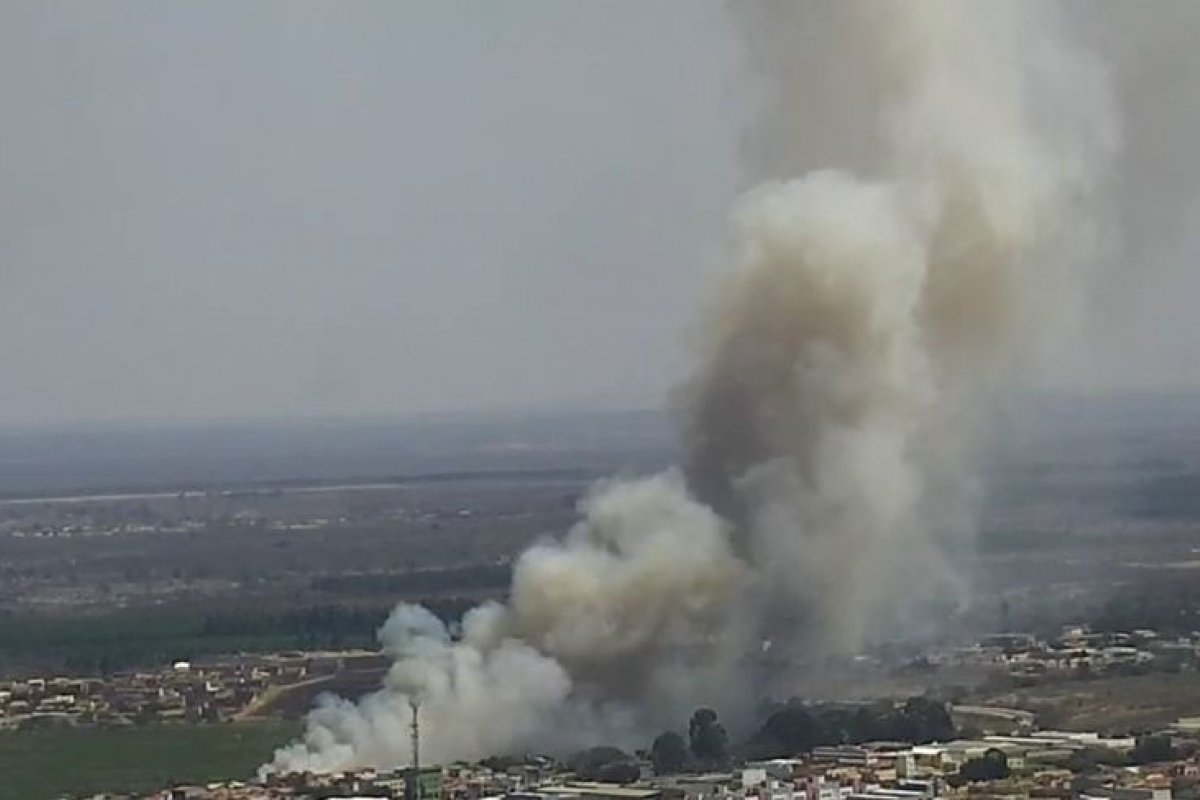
(47, 764)
(99, 644)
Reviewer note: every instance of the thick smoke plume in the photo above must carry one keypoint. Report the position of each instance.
(842, 367)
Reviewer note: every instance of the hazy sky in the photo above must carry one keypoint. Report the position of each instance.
(282, 208)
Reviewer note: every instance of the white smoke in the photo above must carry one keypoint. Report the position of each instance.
(595, 623)
(474, 701)
(841, 368)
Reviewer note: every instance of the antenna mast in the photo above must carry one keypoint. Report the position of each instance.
(415, 728)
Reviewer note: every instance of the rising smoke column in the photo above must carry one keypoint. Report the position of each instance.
(845, 357)
(841, 369)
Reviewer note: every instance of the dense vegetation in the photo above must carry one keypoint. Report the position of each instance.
(798, 727)
(39, 765)
(468, 578)
(98, 645)
(104, 643)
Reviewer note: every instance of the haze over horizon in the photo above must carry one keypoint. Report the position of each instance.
(300, 210)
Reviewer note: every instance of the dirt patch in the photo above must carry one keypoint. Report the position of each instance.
(295, 700)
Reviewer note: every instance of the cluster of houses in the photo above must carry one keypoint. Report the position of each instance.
(1077, 649)
(1058, 765)
(212, 691)
(1038, 765)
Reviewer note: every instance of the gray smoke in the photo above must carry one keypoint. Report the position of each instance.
(841, 370)
(847, 354)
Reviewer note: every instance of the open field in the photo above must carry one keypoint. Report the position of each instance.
(1124, 704)
(100, 644)
(41, 765)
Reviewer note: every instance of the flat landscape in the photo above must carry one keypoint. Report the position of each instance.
(45, 764)
(689, 400)
(274, 538)
(1088, 516)
(1113, 705)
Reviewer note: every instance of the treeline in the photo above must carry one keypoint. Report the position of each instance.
(102, 644)
(118, 641)
(789, 729)
(99, 645)
(330, 626)
(314, 626)
(470, 578)
(706, 747)
(798, 726)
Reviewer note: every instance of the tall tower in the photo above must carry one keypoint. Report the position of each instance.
(415, 730)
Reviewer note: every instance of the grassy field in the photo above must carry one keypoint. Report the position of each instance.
(91, 644)
(42, 765)
(1118, 704)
